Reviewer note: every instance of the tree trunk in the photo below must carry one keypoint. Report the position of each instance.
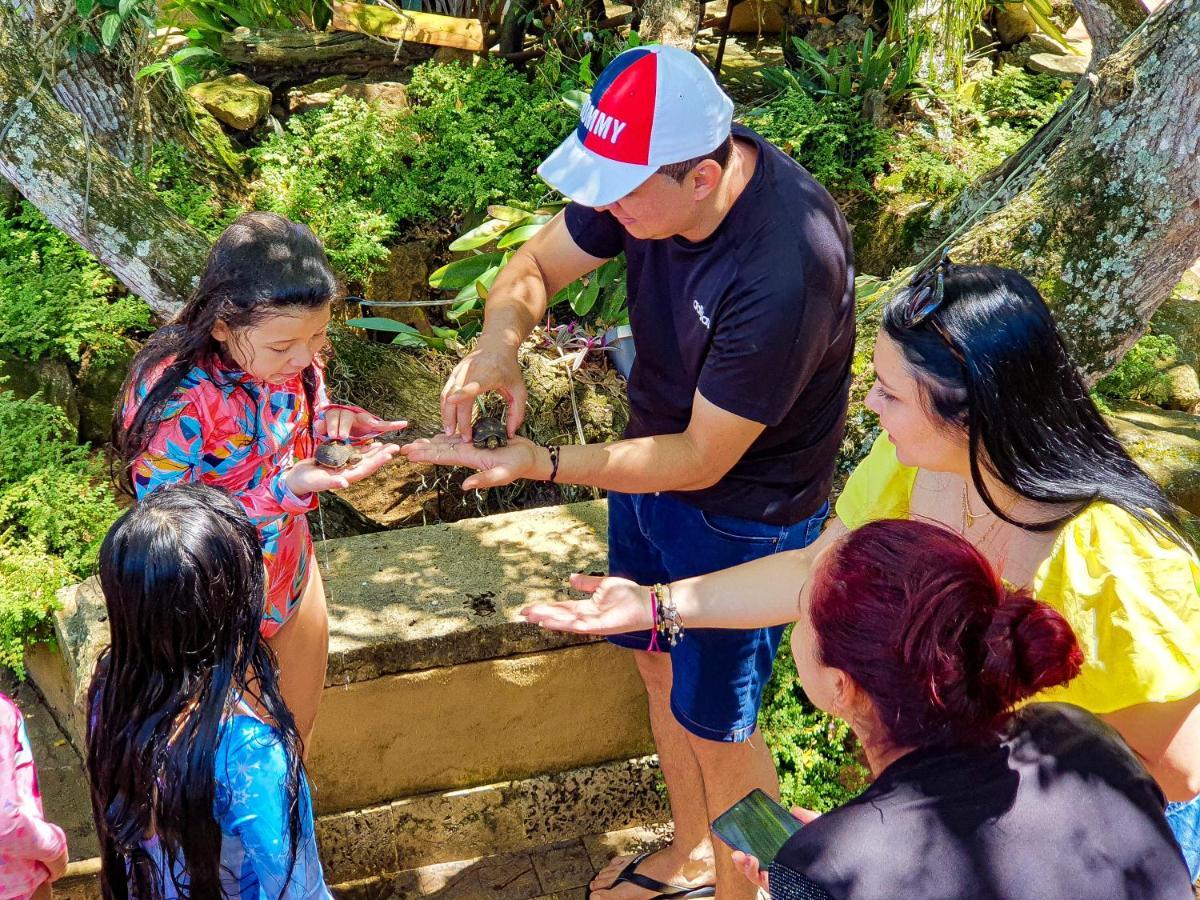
(671, 22)
(1107, 218)
(83, 189)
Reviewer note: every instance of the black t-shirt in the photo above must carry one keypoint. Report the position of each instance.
(760, 318)
(1060, 810)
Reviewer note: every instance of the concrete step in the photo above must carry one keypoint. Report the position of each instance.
(449, 729)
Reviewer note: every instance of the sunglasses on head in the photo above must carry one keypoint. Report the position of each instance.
(926, 296)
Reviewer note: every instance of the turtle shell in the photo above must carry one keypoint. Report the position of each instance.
(336, 455)
(489, 433)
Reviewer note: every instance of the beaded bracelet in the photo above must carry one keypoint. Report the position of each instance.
(553, 461)
(667, 620)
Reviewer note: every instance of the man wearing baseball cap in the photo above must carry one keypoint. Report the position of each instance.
(741, 300)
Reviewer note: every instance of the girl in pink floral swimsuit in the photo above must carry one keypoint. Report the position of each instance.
(231, 393)
(32, 851)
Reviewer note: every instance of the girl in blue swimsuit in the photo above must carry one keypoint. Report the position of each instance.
(198, 788)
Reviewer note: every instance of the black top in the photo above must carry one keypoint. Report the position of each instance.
(760, 317)
(1060, 810)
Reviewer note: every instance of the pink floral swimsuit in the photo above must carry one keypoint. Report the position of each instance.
(27, 840)
(224, 428)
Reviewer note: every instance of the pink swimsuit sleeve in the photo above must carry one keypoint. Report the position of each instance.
(24, 833)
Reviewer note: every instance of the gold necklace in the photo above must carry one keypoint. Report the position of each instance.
(970, 518)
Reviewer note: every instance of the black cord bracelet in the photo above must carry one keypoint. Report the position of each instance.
(553, 461)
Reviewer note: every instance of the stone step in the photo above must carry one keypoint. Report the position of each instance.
(449, 729)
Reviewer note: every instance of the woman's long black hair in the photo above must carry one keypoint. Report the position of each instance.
(260, 265)
(183, 580)
(1021, 399)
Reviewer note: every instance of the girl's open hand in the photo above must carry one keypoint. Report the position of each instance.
(349, 423)
(616, 605)
(504, 465)
(306, 477)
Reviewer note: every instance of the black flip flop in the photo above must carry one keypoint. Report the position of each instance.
(664, 891)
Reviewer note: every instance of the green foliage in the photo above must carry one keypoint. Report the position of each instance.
(818, 758)
(207, 20)
(854, 72)
(173, 179)
(831, 139)
(55, 300)
(1015, 91)
(599, 297)
(55, 507)
(1139, 376)
(185, 66)
(357, 173)
(928, 173)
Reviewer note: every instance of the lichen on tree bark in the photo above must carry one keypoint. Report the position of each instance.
(83, 189)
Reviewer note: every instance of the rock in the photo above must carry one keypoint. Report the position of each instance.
(1179, 317)
(821, 37)
(850, 29)
(1069, 68)
(981, 36)
(1043, 43)
(234, 99)
(386, 94)
(405, 278)
(1166, 444)
(1017, 55)
(99, 384)
(1183, 388)
(1013, 23)
(50, 378)
(168, 40)
(1064, 14)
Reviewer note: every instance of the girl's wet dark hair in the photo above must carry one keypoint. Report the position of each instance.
(1021, 400)
(261, 265)
(916, 616)
(184, 584)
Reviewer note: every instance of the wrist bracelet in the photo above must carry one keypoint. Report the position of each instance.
(667, 620)
(653, 646)
(553, 461)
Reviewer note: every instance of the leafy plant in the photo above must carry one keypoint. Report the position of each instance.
(358, 173)
(1015, 93)
(185, 66)
(55, 506)
(857, 71)
(1139, 374)
(601, 295)
(831, 139)
(208, 20)
(55, 299)
(173, 179)
(817, 756)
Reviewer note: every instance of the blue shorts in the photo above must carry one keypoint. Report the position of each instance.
(718, 674)
(1184, 819)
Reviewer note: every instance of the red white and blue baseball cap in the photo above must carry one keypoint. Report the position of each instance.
(651, 106)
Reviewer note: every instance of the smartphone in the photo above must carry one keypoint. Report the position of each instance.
(756, 825)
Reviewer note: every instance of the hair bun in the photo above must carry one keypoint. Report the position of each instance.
(1028, 647)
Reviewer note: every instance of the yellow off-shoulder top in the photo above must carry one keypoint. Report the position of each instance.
(1131, 594)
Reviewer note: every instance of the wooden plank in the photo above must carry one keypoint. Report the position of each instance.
(418, 27)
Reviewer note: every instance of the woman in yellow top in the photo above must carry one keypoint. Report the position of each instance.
(989, 430)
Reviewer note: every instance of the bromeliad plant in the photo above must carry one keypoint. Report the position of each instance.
(600, 295)
(854, 72)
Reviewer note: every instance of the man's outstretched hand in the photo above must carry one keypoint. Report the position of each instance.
(522, 458)
(616, 605)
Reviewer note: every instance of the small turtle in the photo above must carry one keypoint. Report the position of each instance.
(336, 455)
(489, 433)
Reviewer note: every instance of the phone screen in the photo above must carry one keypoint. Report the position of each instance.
(757, 826)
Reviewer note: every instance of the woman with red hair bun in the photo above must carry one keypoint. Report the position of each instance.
(926, 654)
